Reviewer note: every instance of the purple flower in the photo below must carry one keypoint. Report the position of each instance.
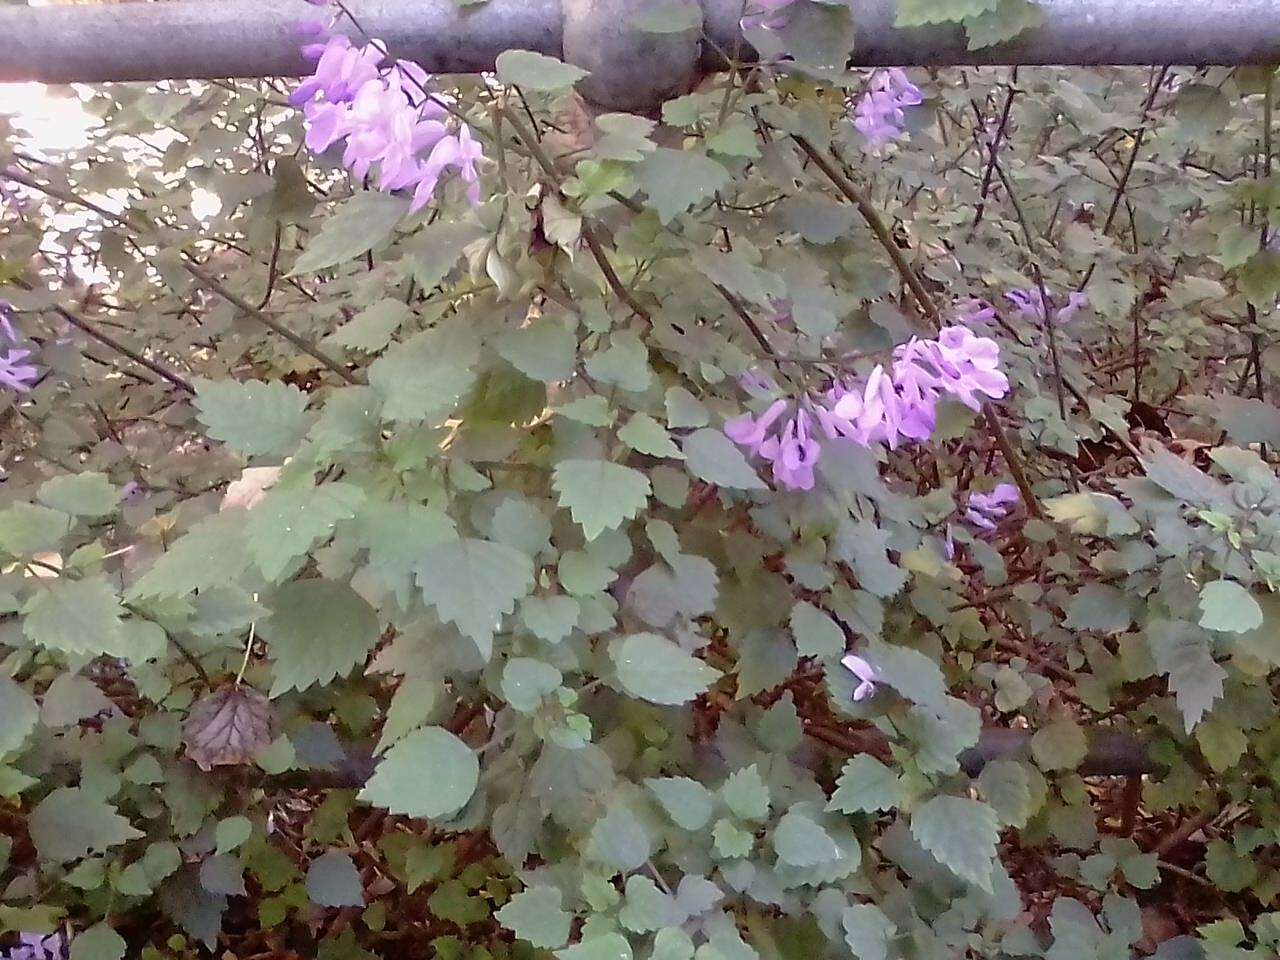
(318, 3)
(794, 453)
(868, 675)
(388, 120)
(36, 946)
(767, 14)
(986, 509)
(310, 30)
(15, 374)
(1029, 305)
(750, 432)
(879, 115)
(895, 404)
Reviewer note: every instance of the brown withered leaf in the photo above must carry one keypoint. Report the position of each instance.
(228, 727)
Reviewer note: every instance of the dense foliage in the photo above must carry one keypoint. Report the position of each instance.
(837, 517)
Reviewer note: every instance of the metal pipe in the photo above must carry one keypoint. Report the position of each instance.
(250, 38)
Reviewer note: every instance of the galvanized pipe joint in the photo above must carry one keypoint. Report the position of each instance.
(631, 69)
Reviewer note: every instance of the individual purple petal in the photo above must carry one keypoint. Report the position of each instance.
(309, 29)
(750, 432)
(865, 672)
(14, 373)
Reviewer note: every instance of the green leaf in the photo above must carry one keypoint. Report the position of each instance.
(653, 668)
(27, 528)
(99, 942)
(253, 417)
(71, 823)
(746, 794)
(601, 495)
(1259, 278)
(318, 630)
(866, 786)
(1059, 746)
(816, 634)
(609, 946)
(80, 494)
(909, 672)
(536, 915)
(675, 180)
(534, 71)
(550, 618)
(1184, 652)
(730, 840)
(423, 378)
(1227, 606)
(411, 707)
(867, 931)
(333, 881)
(801, 842)
(70, 699)
(212, 552)
(545, 350)
(18, 715)
(526, 681)
(429, 774)
(1006, 786)
(687, 802)
(672, 944)
(962, 834)
(231, 833)
(372, 328)
(646, 435)
(619, 840)
(359, 224)
(1008, 20)
(915, 13)
(75, 616)
(289, 521)
(1097, 606)
(625, 363)
(713, 457)
(647, 908)
(474, 584)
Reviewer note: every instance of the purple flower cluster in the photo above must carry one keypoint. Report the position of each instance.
(879, 115)
(766, 14)
(14, 373)
(892, 405)
(387, 116)
(985, 510)
(36, 946)
(1029, 305)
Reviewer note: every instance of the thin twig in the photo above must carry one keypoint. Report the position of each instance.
(301, 342)
(926, 304)
(107, 340)
(534, 146)
(995, 148)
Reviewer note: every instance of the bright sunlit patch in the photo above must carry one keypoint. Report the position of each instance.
(54, 122)
(205, 203)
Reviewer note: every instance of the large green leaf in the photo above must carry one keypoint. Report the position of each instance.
(474, 584)
(535, 914)
(290, 520)
(76, 616)
(1227, 606)
(601, 495)
(1184, 652)
(961, 833)
(677, 179)
(429, 774)
(255, 418)
(18, 715)
(318, 630)
(655, 669)
(423, 378)
(71, 823)
(360, 224)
